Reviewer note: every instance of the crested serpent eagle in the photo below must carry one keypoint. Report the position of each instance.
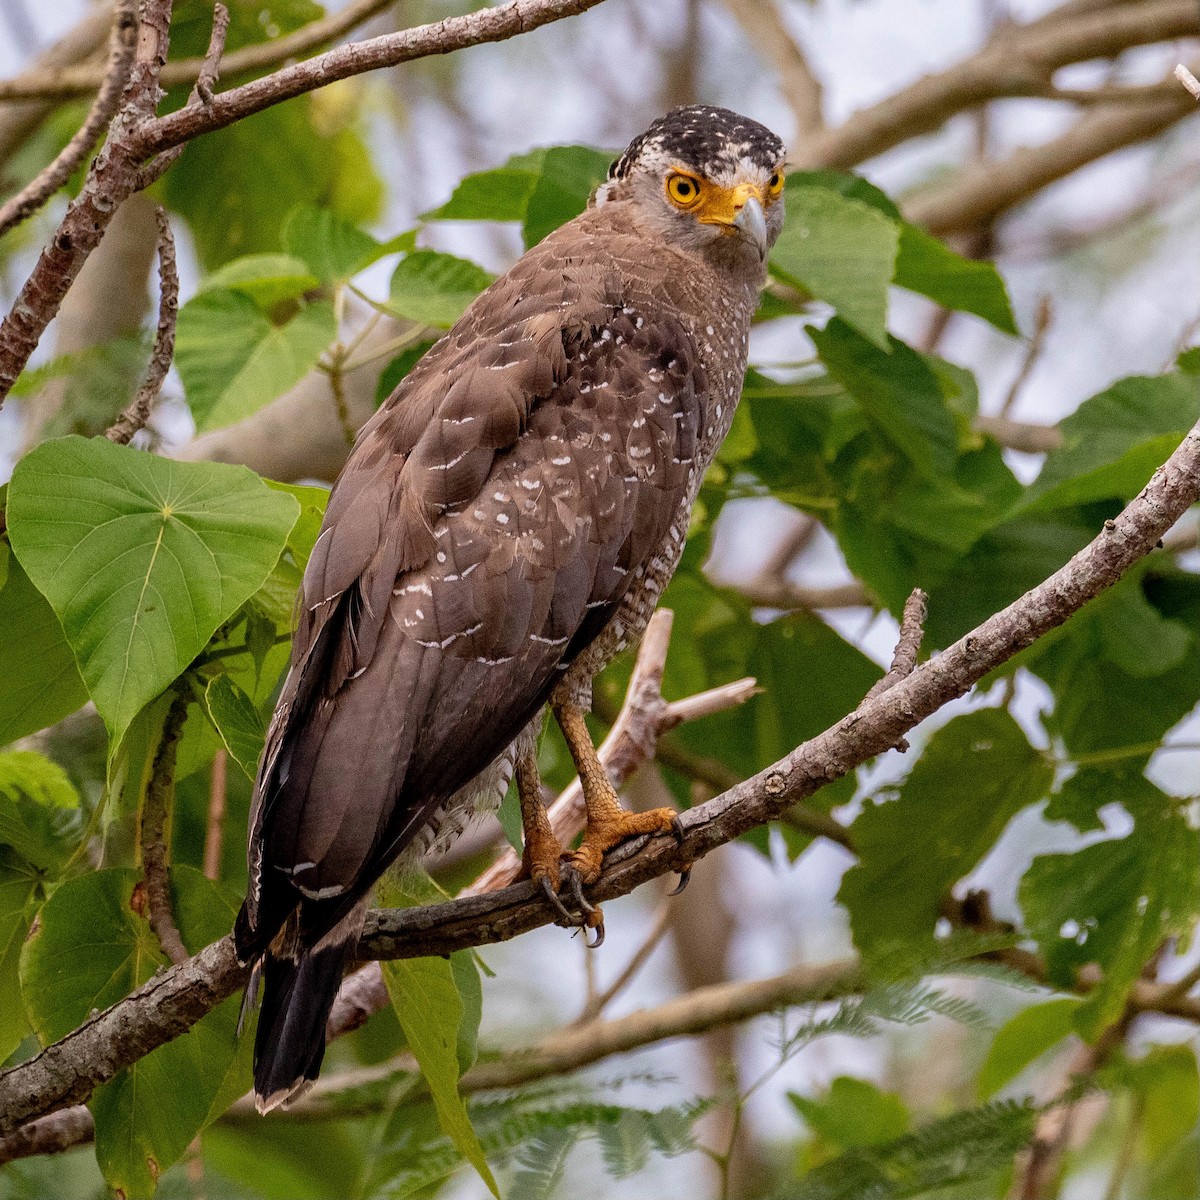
(503, 526)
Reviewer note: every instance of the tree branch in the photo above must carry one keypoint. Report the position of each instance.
(122, 43)
(912, 633)
(137, 413)
(66, 1072)
(64, 83)
(762, 24)
(494, 24)
(153, 838)
(111, 180)
(137, 135)
(981, 193)
(1018, 61)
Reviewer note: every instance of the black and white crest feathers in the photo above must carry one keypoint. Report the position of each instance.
(711, 141)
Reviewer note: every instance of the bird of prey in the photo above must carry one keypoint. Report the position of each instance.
(503, 526)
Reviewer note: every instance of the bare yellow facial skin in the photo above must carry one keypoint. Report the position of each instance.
(713, 205)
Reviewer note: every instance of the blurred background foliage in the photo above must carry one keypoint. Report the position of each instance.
(914, 417)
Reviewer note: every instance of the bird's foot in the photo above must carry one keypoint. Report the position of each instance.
(582, 867)
(541, 862)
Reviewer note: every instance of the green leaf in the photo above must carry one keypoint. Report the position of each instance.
(542, 1164)
(233, 359)
(854, 1112)
(843, 252)
(974, 776)
(501, 194)
(568, 177)
(1114, 902)
(142, 558)
(335, 250)
(848, 185)
(266, 278)
(435, 288)
(427, 1003)
(1113, 442)
(39, 828)
(1101, 707)
(1167, 1081)
(39, 810)
(930, 267)
(41, 681)
(967, 1149)
(898, 391)
(238, 722)
(20, 886)
(1027, 1036)
(93, 945)
(237, 186)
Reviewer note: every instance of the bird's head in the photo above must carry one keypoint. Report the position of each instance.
(708, 181)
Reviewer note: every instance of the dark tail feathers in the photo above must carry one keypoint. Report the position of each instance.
(290, 1043)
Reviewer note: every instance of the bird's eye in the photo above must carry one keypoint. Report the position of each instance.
(683, 190)
(775, 183)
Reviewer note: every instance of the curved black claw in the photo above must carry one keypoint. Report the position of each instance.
(677, 830)
(599, 928)
(565, 915)
(575, 883)
(684, 877)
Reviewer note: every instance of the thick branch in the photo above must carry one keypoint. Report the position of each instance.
(137, 413)
(980, 193)
(579, 1046)
(43, 185)
(66, 1072)
(111, 180)
(1017, 61)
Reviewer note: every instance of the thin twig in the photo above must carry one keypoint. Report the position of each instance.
(137, 413)
(1020, 435)
(908, 645)
(1188, 80)
(210, 68)
(1037, 341)
(33, 195)
(214, 832)
(597, 1002)
(201, 93)
(62, 83)
(153, 837)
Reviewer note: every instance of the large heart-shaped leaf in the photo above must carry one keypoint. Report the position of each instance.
(141, 558)
(41, 680)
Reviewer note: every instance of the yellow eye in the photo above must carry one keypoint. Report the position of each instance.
(775, 183)
(683, 190)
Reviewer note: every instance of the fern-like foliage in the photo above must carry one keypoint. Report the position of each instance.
(534, 1130)
(964, 1149)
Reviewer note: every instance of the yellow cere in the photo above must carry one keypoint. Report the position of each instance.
(715, 205)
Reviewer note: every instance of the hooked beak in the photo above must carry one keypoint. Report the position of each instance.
(751, 223)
